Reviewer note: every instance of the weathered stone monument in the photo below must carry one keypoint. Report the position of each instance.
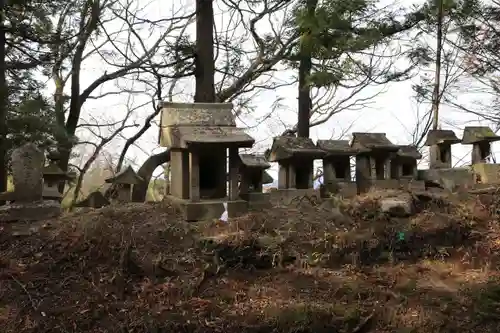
(26, 202)
(404, 167)
(337, 167)
(252, 173)
(53, 176)
(373, 161)
(94, 200)
(481, 138)
(199, 136)
(439, 143)
(440, 170)
(124, 182)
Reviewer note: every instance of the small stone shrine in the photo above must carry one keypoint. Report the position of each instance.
(337, 167)
(199, 136)
(295, 156)
(373, 161)
(440, 142)
(252, 172)
(440, 170)
(481, 138)
(404, 167)
(26, 202)
(124, 181)
(94, 200)
(53, 176)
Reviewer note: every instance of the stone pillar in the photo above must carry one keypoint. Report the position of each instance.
(233, 173)
(480, 151)
(194, 176)
(328, 172)
(387, 168)
(179, 173)
(244, 182)
(372, 167)
(310, 181)
(292, 179)
(259, 186)
(283, 176)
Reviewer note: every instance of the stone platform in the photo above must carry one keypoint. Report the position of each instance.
(257, 200)
(208, 209)
(288, 195)
(451, 179)
(34, 211)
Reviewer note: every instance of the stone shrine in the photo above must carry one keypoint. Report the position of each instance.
(373, 161)
(404, 167)
(125, 181)
(337, 167)
(440, 142)
(199, 136)
(26, 203)
(481, 138)
(53, 176)
(440, 170)
(252, 172)
(295, 156)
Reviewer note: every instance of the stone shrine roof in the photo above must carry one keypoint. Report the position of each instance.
(475, 134)
(286, 147)
(336, 147)
(409, 151)
(127, 176)
(266, 178)
(366, 142)
(254, 161)
(54, 171)
(436, 137)
(184, 124)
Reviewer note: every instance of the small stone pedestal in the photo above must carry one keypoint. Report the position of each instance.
(33, 211)
(200, 136)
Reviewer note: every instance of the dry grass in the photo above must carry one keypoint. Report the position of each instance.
(140, 269)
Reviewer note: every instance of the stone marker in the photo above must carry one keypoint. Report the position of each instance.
(27, 173)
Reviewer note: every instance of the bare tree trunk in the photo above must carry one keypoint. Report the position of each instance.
(205, 89)
(205, 67)
(3, 104)
(436, 97)
(305, 67)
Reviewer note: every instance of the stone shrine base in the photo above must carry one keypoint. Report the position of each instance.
(288, 195)
(344, 189)
(451, 179)
(208, 209)
(34, 211)
(257, 200)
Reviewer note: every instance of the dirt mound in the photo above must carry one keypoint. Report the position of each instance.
(340, 266)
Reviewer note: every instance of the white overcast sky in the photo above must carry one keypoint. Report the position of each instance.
(394, 110)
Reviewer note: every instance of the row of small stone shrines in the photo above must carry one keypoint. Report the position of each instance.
(200, 135)
(379, 162)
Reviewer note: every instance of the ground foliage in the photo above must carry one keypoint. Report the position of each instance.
(311, 268)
